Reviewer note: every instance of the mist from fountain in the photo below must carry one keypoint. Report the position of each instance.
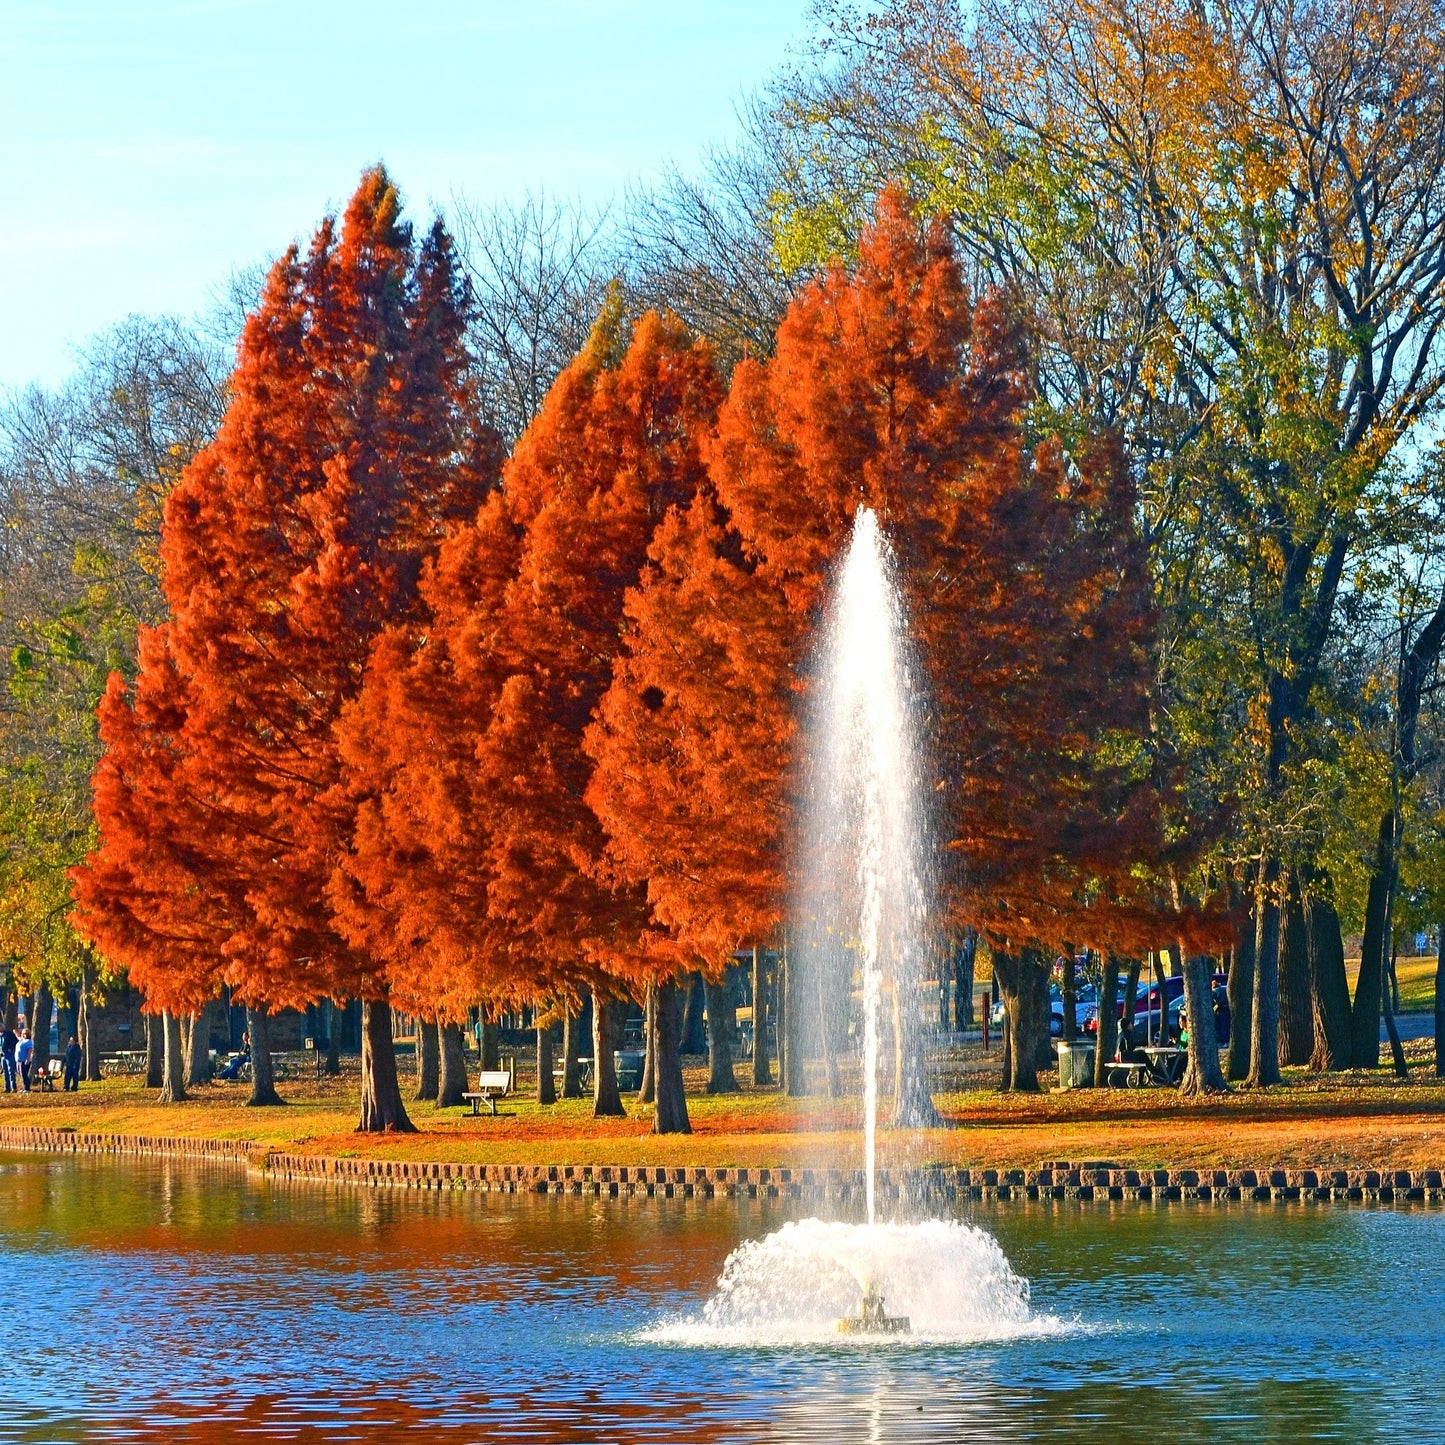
(865, 912)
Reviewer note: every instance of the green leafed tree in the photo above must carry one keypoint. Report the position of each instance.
(1229, 232)
(84, 471)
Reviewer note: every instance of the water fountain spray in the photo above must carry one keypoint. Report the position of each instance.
(865, 908)
(865, 845)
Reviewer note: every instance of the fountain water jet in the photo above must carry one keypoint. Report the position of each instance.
(866, 905)
(866, 846)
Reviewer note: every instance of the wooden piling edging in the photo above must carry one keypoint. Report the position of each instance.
(931, 1183)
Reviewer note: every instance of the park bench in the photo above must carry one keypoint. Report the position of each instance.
(492, 1084)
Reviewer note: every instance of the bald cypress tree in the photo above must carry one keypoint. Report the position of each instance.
(290, 544)
(890, 388)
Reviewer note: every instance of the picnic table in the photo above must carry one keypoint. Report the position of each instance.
(124, 1061)
(1161, 1064)
(584, 1072)
(1166, 1062)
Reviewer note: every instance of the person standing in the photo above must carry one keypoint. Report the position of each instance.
(8, 1041)
(71, 1062)
(24, 1051)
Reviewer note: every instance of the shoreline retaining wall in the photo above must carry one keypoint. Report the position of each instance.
(1089, 1181)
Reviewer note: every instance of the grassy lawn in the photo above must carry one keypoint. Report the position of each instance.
(1417, 982)
(1356, 1119)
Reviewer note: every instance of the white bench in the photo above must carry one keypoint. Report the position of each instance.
(492, 1084)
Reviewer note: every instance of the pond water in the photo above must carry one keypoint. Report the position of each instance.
(146, 1300)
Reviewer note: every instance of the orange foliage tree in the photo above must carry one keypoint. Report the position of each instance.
(478, 846)
(293, 540)
(692, 739)
(889, 389)
(145, 897)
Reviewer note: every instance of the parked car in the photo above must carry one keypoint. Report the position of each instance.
(1084, 1007)
(1146, 1016)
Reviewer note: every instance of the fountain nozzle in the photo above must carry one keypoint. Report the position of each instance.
(870, 1319)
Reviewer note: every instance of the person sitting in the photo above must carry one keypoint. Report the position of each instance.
(1127, 1051)
(231, 1069)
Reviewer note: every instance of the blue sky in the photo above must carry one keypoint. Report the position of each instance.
(151, 146)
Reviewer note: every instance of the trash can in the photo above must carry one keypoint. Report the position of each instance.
(1076, 1064)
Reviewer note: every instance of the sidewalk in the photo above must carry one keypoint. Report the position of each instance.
(1411, 1026)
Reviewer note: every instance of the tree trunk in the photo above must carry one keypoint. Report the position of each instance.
(1329, 988)
(1365, 1015)
(1201, 1072)
(647, 1094)
(546, 1084)
(721, 1026)
(382, 1110)
(1107, 1038)
(173, 1079)
(1017, 979)
(451, 1067)
(1397, 1053)
(694, 1036)
(263, 1070)
(1296, 1015)
(606, 1100)
(491, 1046)
(1070, 996)
(333, 1038)
(428, 1059)
(762, 1069)
(1131, 992)
(1240, 991)
(198, 1048)
(571, 1053)
(963, 962)
(89, 1042)
(1043, 1050)
(1264, 1019)
(912, 1101)
(832, 1085)
(1440, 1005)
(667, 1015)
(155, 1050)
(40, 1029)
(793, 1067)
(1157, 1013)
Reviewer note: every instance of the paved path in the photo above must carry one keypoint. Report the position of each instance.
(1411, 1026)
